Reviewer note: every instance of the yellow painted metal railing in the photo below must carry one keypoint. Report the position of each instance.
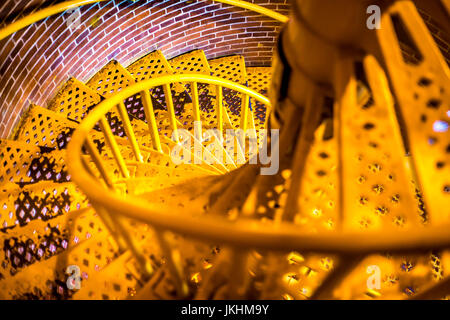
(253, 7)
(61, 7)
(86, 177)
(42, 14)
(243, 233)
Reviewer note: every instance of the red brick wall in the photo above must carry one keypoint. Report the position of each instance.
(36, 60)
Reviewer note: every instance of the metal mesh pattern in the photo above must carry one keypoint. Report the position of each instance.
(196, 62)
(377, 189)
(110, 79)
(74, 100)
(44, 200)
(231, 68)
(151, 66)
(428, 125)
(80, 231)
(43, 127)
(16, 158)
(259, 80)
(50, 166)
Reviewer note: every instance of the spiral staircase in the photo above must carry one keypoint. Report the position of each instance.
(90, 181)
(48, 223)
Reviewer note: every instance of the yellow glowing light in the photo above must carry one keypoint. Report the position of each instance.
(287, 297)
(373, 293)
(295, 258)
(290, 278)
(207, 265)
(316, 212)
(196, 277)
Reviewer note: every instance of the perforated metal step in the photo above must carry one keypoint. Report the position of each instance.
(46, 250)
(155, 65)
(230, 68)
(23, 164)
(74, 100)
(195, 62)
(44, 200)
(259, 80)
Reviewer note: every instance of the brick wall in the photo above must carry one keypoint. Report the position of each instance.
(36, 60)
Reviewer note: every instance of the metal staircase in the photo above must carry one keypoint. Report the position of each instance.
(48, 223)
(90, 181)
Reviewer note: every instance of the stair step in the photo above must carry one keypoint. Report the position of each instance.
(43, 200)
(110, 79)
(259, 81)
(43, 127)
(74, 100)
(191, 62)
(231, 68)
(150, 66)
(193, 194)
(195, 62)
(114, 282)
(155, 177)
(89, 246)
(39, 240)
(16, 159)
(122, 279)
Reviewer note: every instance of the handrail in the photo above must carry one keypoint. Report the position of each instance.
(243, 232)
(254, 7)
(42, 14)
(58, 8)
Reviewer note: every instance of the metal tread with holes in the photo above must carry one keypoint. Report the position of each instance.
(46, 222)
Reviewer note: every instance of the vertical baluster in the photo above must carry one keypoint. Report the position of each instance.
(173, 261)
(111, 225)
(196, 105)
(244, 112)
(238, 273)
(104, 215)
(151, 121)
(171, 109)
(129, 131)
(92, 150)
(219, 108)
(244, 120)
(125, 238)
(104, 125)
(86, 167)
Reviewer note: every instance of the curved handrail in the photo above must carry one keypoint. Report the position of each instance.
(243, 232)
(254, 7)
(58, 8)
(42, 14)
